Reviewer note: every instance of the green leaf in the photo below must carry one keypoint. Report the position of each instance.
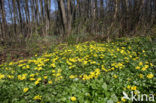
(104, 86)
(114, 97)
(110, 101)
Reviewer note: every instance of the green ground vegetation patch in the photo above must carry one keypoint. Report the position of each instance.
(88, 72)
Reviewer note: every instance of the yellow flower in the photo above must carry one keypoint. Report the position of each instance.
(53, 65)
(25, 90)
(112, 68)
(27, 66)
(53, 71)
(137, 67)
(141, 75)
(73, 98)
(72, 77)
(115, 76)
(32, 79)
(39, 79)
(32, 75)
(58, 74)
(136, 92)
(128, 86)
(10, 76)
(38, 97)
(128, 79)
(2, 76)
(133, 88)
(36, 82)
(143, 69)
(22, 77)
(146, 66)
(45, 77)
(140, 63)
(150, 76)
(151, 64)
(50, 82)
(85, 62)
(123, 99)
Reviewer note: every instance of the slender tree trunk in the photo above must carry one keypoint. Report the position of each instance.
(63, 13)
(4, 26)
(20, 15)
(14, 12)
(114, 20)
(47, 14)
(69, 17)
(0, 27)
(101, 9)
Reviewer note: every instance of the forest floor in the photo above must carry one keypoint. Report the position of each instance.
(83, 73)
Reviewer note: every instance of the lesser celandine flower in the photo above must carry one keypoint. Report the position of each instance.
(115, 76)
(50, 82)
(73, 98)
(2, 76)
(72, 76)
(128, 86)
(133, 88)
(140, 63)
(122, 99)
(141, 75)
(45, 77)
(137, 67)
(36, 82)
(25, 90)
(150, 76)
(143, 69)
(31, 79)
(38, 97)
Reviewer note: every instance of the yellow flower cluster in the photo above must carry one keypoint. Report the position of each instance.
(132, 87)
(50, 67)
(10, 76)
(57, 74)
(26, 67)
(143, 67)
(92, 75)
(22, 77)
(72, 76)
(37, 81)
(38, 68)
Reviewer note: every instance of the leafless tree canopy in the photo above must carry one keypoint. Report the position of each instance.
(21, 19)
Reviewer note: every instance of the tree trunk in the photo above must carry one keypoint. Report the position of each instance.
(101, 9)
(63, 14)
(2, 10)
(69, 17)
(14, 12)
(20, 15)
(114, 20)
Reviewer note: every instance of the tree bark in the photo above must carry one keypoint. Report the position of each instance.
(63, 14)
(4, 26)
(69, 17)
(20, 15)
(113, 22)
